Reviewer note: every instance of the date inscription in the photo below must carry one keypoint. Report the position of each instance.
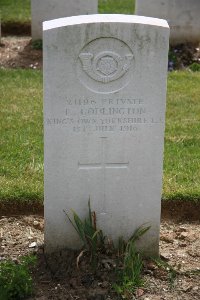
(106, 115)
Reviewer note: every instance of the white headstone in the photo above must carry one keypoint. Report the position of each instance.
(43, 10)
(183, 17)
(104, 115)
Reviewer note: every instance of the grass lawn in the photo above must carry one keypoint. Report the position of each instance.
(116, 6)
(182, 137)
(21, 146)
(19, 10)
(15, 11)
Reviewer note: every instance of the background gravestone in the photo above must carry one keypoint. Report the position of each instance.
(43, 10)
(104, 114)
(182, 16)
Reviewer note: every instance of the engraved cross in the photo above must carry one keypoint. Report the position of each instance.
(103, 165)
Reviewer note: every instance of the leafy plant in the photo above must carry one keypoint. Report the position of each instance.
(15, 279)
(195, 67)
(92, 238)
(37, 44)
(172, 273)
(191, 272)
(130, 277)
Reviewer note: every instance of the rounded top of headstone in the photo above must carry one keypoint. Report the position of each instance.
(103, 18)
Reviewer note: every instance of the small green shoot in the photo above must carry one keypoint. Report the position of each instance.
(172, 273)
(15, 279)
(92, 238)
(195, 67)
(130, 277)
(190, 272)
(37, 44)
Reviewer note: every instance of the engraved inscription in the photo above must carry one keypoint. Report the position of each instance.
(105, 115)
(103, 65)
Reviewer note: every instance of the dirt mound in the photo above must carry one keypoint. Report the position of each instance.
(57, 277)
(18, 52)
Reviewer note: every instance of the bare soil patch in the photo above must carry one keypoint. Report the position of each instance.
(16, 28)
(176, 211)
(180, 211)
(57, 276)
(17, 52)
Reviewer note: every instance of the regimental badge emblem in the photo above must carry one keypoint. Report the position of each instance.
(103, 65)
(106, 66)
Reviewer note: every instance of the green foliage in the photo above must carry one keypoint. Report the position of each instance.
(191, 272)
(15, 11)
(181, 179)
(172, 273)
(116, 6)
(37, 44)
(195, 67)
(130, 277)
(94, 241)
(21, 131)
(20, 11)
(15, 279)
(92, 238)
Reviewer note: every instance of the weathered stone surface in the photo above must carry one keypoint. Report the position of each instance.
(44, 10)
(182, 16)
(104, 115)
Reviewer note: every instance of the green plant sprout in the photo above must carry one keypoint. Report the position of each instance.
(92, 238)
(130, 277)
(15, 279)
(195, 67)
(172, 273)
(37, 44)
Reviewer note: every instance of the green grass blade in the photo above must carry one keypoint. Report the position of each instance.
(90, 212)
(139, 232)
